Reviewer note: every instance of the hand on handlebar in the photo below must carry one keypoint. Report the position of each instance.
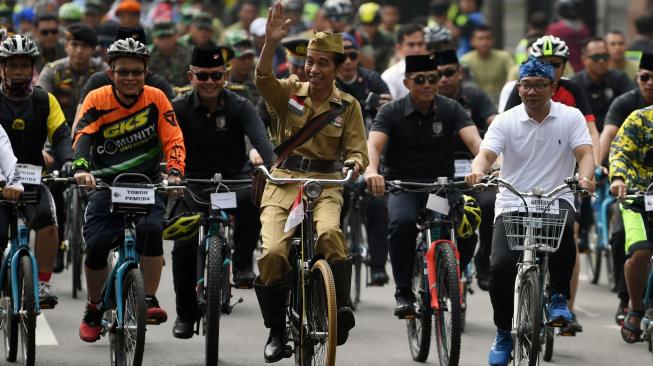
(12, 193)
(375, 183)
(355, 169)
(174, 180)
(474, 178)
(587, 184)
(85, 179)
(618, 188)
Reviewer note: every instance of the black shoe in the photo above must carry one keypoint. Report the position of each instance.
(379, 277)
(572, 327)
(47, 297)
(244, 278)
(341, 271)
(405, 303)
(59, 262)
(275, 348)
(183, 329)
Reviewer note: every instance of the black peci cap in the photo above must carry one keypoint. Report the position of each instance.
(419, 63)
(211, 56)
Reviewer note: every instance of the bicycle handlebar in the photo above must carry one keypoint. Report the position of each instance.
(571, 184)
(281, 181)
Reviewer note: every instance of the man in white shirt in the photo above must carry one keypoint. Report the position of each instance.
(410, 42)
(541, 142)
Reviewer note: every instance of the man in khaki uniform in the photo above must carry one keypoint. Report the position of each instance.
(296, 103)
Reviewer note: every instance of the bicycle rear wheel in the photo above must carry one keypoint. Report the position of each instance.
(448, 317)
(596, 256)
(213, 303)
(130, 340)
(318, 345)
(548, 337)
(9, 321)
(27, 311)
(529, 320)
(419, 327)
(353, 231)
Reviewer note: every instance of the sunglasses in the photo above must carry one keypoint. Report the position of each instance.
(45, 32)
(645, 77)
(204, 76)
(599, 57)
(353, 55)
(126, 72)
(421, 79)
(447, 73)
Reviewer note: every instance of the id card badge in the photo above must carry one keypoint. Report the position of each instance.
(648, 202)
(437, 204)
(29, 174)
(224, 200)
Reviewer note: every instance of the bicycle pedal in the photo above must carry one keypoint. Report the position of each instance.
(231, 307)
(287, 351)
(46, 306)
(566, 334)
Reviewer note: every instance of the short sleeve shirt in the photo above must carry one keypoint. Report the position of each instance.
(420, 146)
(623, 106)
(479, 107)
(536, 154)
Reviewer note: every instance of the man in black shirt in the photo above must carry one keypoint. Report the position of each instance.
(482, 111)
(601, 85)
(214, 122)
(417, 133)
(370, 90)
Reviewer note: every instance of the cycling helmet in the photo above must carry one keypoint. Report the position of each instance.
(182, 227)
(550, 46)
(437, 34)
(128, 47)
(470, 220)
(335, 8)
(369, 13)
(18, 45)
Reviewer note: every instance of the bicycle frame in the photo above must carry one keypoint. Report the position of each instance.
(601, 208)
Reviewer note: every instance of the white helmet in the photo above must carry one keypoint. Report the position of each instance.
(18, 45)
(550, 46)
(437, 34)
(341, 8)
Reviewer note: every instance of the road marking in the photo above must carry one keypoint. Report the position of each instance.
(44, 334)
(586, 312)
(613, 326)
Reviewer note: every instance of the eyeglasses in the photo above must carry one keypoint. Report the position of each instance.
(447, 73)
(645, 77)
(536, 86)
(204, 76)
(46, 32)
(126, 72)
(556, 65)
(353, 55)
(421, 79)
(599, 57)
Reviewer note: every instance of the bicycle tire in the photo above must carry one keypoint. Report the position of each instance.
(596, 255)
(353, 230)
(321, 316)
(213, 297)
(548, 338)
(27, 324)
(131, 337)
(10, 323)
(529, 307)
(448, 288)
(419, 327)
(610, 269)
(75, 242)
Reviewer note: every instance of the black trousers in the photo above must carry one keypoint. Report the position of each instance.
(618, 243)
(403, 211)
(503, 268)
(184, 252)
(485, 200)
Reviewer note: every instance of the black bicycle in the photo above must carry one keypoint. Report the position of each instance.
(356, 236)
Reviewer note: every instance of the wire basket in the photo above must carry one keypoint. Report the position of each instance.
(539, 231)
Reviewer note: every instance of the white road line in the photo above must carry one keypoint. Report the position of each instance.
(613, 326)
(585, 312)
(44, 334)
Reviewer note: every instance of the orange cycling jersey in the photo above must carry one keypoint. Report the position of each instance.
(112, 138)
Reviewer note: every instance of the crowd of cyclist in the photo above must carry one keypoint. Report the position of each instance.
(83, 93)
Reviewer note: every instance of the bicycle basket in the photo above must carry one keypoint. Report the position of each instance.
(540, 231)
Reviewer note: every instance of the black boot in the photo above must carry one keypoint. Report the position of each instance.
(272, 301)
(342, 279)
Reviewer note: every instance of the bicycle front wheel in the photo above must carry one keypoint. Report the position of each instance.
(9, 321)
(529, 320)
(74, 237)
(419, 327)
(213, 304)
(319, 341)
(27, 311)
(448, 316)
(130, 340)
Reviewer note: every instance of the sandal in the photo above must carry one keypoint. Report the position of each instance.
(630, 332)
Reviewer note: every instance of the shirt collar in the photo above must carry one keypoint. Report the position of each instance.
(334, 97)
(553, 112)
(409, 107)
(196, 103)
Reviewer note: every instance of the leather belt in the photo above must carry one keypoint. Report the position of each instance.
(305, 165)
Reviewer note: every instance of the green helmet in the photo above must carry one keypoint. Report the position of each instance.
(70, 12)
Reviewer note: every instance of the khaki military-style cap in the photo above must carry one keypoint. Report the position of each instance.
(326, 41)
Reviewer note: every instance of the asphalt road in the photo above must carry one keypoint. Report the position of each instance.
(378, 339)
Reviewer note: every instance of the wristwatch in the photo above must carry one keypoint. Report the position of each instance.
(174, 172)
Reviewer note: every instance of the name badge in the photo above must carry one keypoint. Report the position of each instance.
(541, 205)
(29, 174)
(223, 200)
(648, 202)
(437, 204)
(463, 167)
(296, 106)
(135, 196)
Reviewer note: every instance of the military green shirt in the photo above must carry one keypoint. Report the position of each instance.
(172, 67)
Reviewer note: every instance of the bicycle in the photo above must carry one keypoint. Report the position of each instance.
(19, 300)
(536, 229)
(436, 274)
(601, 248)
(312, 314)
(213, 259)
(356, 236)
